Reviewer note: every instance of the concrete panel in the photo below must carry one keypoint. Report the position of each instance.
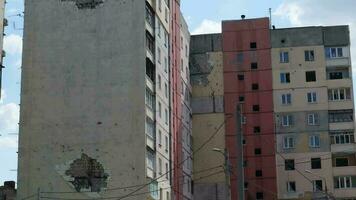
(205, 43)
(296, 37)
(336, 35)
(210, 191)
(83, 93)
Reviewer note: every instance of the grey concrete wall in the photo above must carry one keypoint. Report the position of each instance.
(83, 87)
(206, 43)
(210, 191)
(205, 105)
(336, 35)
(295, 37)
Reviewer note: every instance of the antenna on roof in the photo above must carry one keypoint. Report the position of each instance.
(243, 16)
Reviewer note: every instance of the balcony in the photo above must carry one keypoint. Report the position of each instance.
(150, 17)
(150, 47)
(334, 62)
(338, 148)
(344, 163)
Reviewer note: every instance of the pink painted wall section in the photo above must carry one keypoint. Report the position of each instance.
(238, 56)
(176, 109)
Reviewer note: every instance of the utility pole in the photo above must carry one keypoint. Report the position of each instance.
(240, 154)
(227, 174)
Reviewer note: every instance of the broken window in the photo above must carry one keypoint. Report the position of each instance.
(87, 173)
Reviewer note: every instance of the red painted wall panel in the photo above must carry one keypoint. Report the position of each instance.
(238, 56)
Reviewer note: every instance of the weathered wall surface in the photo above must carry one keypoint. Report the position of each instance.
(206, 65)
(82, 97)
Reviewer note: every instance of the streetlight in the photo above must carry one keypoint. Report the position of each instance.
(227, 169)
(326, 188)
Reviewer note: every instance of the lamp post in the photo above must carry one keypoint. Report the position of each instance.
(227, 169)
(324, 179)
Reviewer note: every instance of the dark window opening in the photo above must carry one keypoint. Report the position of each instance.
(258, 151)
(289, 165)
(259, 195)
(256, 108)
(240, 77)
(317, 185)
(255, 86)
(254, 65)
(150, 70)
(246, 185)
(256, 129)
(316, 163)
(341, 162)
(242, 98)
(253, 45)
(258, 173)
(310, 76)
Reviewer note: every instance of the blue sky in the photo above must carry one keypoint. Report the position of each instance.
(203, 16)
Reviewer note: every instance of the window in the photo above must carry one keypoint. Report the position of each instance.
(315, 163)
(343, 137)
(246, 185)
(168, 196)
(255, 108)
(313, 119)
(159, 30)
(341, 162)
(159, 55)
(258, 151)
(255, 86)
(288, 142)
(167, 171)
(240, 77)
(241, 98)
(166, 116)
(310, 76)
(291, 186)
(289, 165)
(317, 185)
(159, 166)
(151, 163)
(259, 195)
(258, 173)
(150, 129)
(149, 98)
(309, 55)
(338, 75)
(166, 145)
(159, 82)
(344, 182)
(287, 120)
(334, 52)
(165, 64)
(166, 14)
(286, 99)
(254, 65)
(314, 141)
(253, 45)
(311, 96)
(166, 90)
(339, 94)
(285, 77)
(240, 57)
(160, 5)
(165, 38)
(284, 57)
(256, 129)
(153, 188)
(159, 138)
(159, 109)
(338, 116)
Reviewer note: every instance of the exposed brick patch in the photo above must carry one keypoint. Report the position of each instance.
(87, 174)
(86, 4)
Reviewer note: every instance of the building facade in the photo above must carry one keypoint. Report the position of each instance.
(206, 63)
(8, 191)
(248, 105)
(101, 101)
(314, 109)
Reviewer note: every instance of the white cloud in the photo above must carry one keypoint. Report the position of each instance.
(208, 26)
(13, 44)
(9, 117)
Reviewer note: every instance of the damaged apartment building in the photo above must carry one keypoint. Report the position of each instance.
(288, 94)
(105, 100)
(114, 92)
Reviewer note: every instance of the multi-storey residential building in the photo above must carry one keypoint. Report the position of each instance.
(314, 111)
(101, 101)
(249, 107)
(8, 191)
(289, 93)
(206, 63)
(181, 111)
